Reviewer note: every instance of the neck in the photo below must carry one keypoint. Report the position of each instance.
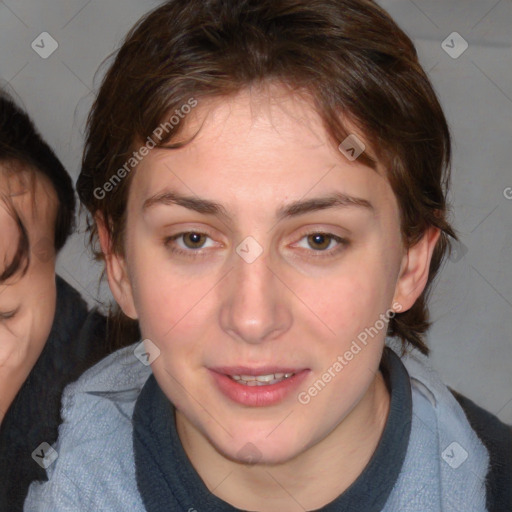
(310, 480)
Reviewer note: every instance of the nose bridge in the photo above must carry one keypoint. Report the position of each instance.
(253, 307)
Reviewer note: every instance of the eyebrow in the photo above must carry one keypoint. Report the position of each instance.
(293, 209)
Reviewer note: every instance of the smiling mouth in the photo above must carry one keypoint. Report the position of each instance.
(261, 380)
(258, 387)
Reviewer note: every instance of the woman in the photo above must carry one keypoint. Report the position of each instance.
(268, 185)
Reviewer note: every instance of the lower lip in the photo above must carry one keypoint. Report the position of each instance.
(258, 396)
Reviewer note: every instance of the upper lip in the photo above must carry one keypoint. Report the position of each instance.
(262, 370)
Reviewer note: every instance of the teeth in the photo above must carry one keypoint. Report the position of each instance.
(261, 380)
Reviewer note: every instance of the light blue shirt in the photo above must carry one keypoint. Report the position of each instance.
(95, 468)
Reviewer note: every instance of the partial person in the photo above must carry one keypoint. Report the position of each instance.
(48, 335)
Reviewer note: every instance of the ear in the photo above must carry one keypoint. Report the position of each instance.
(414, 269)
(117, 274)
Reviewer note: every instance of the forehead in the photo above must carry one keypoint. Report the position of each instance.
(10, 233)
(30, 196)
(27, 186)
(260, 145)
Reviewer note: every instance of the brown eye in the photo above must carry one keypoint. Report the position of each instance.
(193, 240)
(321, 240)
(189, 243)
(322, 245)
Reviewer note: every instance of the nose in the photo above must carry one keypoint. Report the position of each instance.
(254, 306)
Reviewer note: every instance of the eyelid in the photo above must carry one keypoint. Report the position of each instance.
(169, 240)
(188, 231)
(342, 242)
(320, 231)
(7, 315)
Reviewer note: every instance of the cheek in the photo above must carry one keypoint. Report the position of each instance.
(168, 303)
(31, 329)
(350, 300)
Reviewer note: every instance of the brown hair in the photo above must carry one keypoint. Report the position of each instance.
(348, 56)
(25, 156)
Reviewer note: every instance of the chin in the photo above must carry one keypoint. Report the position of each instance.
(250, 450)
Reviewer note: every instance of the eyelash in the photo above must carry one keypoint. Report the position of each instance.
(343, 242)
(8, 315)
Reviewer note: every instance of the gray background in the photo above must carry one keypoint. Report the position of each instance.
(472, 301)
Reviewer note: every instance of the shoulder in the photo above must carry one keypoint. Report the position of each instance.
(93, 466)
(460, 418)
(488, 426)
(113, 373)
(116, 379)
(497, 438)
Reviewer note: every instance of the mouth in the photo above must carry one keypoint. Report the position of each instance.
(257, 387)
(261, 380)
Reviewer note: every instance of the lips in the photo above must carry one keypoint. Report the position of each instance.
(257, 387)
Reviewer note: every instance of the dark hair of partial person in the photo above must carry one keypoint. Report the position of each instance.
(23, 150)
(347, 56)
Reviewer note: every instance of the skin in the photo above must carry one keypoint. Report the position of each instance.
(257, 151)
(33, 296)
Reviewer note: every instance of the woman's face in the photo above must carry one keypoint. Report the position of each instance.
(27, 303)
(254, 288)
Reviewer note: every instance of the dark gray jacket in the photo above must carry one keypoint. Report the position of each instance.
(77, 340)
